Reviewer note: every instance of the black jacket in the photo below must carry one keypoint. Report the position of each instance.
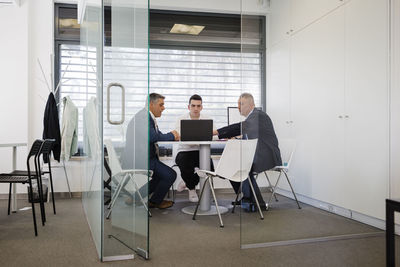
(257, 125)
(51, 126)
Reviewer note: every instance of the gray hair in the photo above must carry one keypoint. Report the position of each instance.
(154, 97)
(248, 96)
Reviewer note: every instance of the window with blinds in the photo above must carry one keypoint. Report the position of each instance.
(211, 65)
(219, 77)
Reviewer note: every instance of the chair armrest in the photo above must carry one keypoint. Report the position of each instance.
(278, 168)
(203, 173)
(138, 171)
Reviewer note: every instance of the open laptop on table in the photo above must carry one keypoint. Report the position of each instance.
(196, 130)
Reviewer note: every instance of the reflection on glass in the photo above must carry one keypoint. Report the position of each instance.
(90, 115)
(125, 131)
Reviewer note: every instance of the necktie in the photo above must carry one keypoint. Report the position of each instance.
(155, 144)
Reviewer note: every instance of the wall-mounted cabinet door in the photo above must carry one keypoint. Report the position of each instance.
(278, 92)
(367, 107)
(286, 17)
(279, 21)
(317, 93)
(305, 12)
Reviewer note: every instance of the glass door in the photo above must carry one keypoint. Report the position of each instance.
(91, 62)
(125, 129)
(114, 37)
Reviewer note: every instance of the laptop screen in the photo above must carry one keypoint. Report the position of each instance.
(196, 130)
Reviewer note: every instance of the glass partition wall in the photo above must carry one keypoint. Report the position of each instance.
(318, 98)
(92, 163)
(312, 121)
(115, 130)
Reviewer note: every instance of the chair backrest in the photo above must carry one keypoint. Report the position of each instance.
(113, 160)
(287, 148)
(35, 148)
(237, 159)
(47, 146)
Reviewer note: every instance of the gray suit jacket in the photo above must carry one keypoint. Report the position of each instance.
(257, 125)
(135, 155)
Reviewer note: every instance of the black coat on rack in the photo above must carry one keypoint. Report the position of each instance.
(51, 126)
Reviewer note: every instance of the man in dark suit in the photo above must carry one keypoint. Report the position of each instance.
(134, 156)
(256, 125)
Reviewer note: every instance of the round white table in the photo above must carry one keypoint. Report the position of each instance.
(205, 207)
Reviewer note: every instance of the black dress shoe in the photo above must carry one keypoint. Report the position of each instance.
(236, 203)
(239, 202)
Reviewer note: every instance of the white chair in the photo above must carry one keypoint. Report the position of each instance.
(121, 177)
(235, 165)
(287, 147)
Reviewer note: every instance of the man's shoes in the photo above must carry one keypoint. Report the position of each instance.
(181, 186)
(193, 196)
(237, 203)
(252, 206)
(163, 205)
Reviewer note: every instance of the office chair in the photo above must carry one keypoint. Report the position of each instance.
(122, 177)
(14, 179)
(287, 147)
(234, 164)
(45, 151)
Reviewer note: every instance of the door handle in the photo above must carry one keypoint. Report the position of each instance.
(121, 121)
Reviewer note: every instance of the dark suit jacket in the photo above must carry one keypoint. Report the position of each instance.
(257, 125)
(155, 136)
(51, 126)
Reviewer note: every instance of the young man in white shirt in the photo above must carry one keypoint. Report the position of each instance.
(187, 158)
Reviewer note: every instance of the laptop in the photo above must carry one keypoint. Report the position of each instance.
(196, 130)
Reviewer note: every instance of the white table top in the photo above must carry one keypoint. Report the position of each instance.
(13, 144)
(192, 142)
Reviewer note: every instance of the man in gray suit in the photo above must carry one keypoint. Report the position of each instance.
(257, 125)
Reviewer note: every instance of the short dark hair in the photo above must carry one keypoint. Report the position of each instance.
(153, 97)
(195, 97)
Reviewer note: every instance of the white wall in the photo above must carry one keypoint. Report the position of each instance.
(395, 103)
(28, 33)
(325, 64)
(14, 83)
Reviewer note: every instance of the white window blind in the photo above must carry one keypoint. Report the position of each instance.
(218, 77)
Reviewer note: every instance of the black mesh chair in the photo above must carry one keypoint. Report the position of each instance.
(44, 152)
(14, 179)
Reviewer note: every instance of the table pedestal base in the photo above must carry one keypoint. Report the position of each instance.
(212, 211)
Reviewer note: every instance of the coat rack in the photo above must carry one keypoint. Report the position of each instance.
(54, 90)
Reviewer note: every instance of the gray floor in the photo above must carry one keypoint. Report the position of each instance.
(177, 240)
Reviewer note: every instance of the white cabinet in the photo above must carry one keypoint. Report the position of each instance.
(317, 82)
(367, 106)
(331, 80)
(279, 96)
(280, 17)
(306, 12)
(290, 16)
